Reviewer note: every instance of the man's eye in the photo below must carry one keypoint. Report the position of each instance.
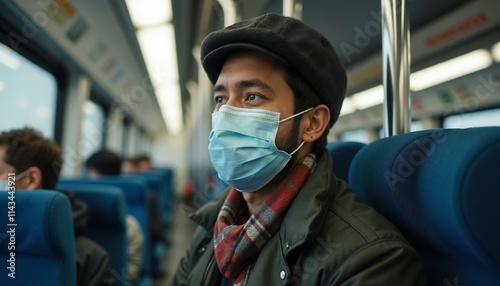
(253, 96)
(219, 99)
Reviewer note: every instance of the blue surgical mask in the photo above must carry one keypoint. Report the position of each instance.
(242, 146)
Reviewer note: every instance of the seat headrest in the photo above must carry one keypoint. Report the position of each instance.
(134, 188)
(439, 186)
(43, 239)
(43, 219)
(106, 206)
(342, 153)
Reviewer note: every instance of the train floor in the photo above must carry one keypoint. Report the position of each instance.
(181, 232)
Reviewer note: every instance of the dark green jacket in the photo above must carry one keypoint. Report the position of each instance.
(328, 237)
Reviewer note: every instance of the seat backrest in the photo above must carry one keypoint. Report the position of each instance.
(342, 153)
(136, 194)
(159, 187)
(37, 243)
(106, 211)
(167, 175)
(441, 188)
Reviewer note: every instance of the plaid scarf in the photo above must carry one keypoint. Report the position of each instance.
(238, 240)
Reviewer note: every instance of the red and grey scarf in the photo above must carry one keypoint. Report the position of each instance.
(239, 239)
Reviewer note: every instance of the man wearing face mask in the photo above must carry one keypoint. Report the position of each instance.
(285, 219)
(36, 161)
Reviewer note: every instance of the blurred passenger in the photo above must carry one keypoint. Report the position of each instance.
(129, 166)
(36, 161)
(106, 162)
(144, 163)
(103, 162)
(188, 191)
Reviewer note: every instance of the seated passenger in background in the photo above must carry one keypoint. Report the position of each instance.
(36, 162)
(103, 163)
(129, 166)
(106, 162)
(144, 163)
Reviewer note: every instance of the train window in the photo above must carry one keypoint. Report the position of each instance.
(132, 140)
(359, 135)
(146, 144)
(415, 125)
(474, 119)
(28, 94)
(125, 136)
(91, 138)
(141, 141)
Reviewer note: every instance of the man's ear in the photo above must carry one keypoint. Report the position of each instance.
(315, 123)
(32, 180)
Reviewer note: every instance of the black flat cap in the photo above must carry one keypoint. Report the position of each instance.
(288, 40)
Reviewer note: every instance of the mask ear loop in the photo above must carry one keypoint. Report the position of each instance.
(295, 115)
(301, 144)
(22, 174)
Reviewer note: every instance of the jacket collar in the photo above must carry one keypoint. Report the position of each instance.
(308, 211)
(310, 207)
(208, 213)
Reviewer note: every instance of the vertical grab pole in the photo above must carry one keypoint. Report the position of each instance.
(292, 8)
(230, 12)
(396, 66)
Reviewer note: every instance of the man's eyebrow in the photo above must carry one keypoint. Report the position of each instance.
(246, 84)
(218, 87)
(254, 83)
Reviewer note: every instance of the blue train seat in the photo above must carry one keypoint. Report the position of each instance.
(43, 239)
(137, 196)
(342, 153)
(167, 175)
(106, 211)
(159, 187)
(441, 188)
